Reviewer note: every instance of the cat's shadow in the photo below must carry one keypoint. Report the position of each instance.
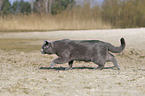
(64, 68)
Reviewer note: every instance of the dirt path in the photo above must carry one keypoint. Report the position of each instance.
(20, 59)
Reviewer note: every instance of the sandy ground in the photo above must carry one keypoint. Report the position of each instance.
(20, 60)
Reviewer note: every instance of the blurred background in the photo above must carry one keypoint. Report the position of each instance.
(44, 15)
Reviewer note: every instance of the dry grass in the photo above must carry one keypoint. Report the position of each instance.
(69, 20)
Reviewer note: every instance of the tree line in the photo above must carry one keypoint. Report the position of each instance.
(124, 13)
(119, 13)
(34, 6)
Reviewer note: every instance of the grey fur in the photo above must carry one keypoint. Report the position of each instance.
(82, 50)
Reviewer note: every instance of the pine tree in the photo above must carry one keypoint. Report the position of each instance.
(6, 7)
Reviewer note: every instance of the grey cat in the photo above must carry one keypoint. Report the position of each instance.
(82, 50)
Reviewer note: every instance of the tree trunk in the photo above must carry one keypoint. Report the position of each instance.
(50, 3)
(32, 5)
(39, 8)
(46, 6)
